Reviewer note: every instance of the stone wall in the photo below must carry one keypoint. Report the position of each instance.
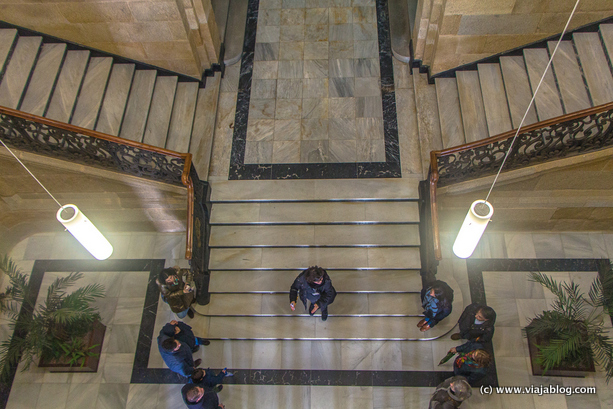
(178, 35)
(474, 29)
(573, 198)
(113, 202)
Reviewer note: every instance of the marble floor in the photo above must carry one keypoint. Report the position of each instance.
(508, 292)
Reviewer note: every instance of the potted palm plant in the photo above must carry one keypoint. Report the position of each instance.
(568, 339)
(63, 332)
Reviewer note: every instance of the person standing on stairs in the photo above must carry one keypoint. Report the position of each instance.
(314, 285)
(176, 291)
(437, 300)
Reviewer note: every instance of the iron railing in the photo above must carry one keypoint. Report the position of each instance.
(561, 137)
(43, 136)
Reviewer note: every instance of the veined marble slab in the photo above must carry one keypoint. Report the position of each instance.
(595, 67)
(43, 78)
(137, 109)
(18, 71)
(570, 79)
(68, 85)
(428, 122)
(201, 145)
(113, 106)
(606, 32)
(452, 130)
(160, 110)
(180, 131)
(471, 104)
(92, 92)
(7, 38)
(494, 99)
(548, 104)
(517, 86)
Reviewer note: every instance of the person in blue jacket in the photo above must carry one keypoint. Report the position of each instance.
(177, 356)
(197, 397)
(184, 334)
(206, 378)
(437, 301)
(313, 285)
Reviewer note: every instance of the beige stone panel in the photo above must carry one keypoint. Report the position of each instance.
(498, 24)
(593, 5)
(158, 11)
(154, 31)
(130, 50)
(471, 44)
(32, 15)
(95, 12)
(451, 24)
(499, 43)
(103, 32)
(579, 213)
(530, 6)
(167, 50)
(473, 7)
(185, 66)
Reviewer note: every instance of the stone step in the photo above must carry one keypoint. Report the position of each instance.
(517, 87)
(92, 92)
(319, 189)
(494, 99)
(114, 104)
(43, 79)
(595, 67)
(290, 258)
(68, 86)
(428, 123)
(471, 104)
(348, 280)
(452, 130)
(345, 304)
(315, 212)
(18, 70)
(569, 76)
(156, 131)
(313, 235)
(201, 145)
(548, 104)
(182, 119)
(606, 33)
(137, 108)
(7, 39)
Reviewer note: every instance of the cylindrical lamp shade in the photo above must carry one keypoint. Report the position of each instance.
(474, 225)
(86, 233)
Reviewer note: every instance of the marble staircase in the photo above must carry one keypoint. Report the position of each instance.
(82, 88)
(364, 232)
(481, 103)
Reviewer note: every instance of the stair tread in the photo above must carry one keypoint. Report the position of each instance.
(570, 80)
(452, 130)
(345, 304)
(92, 92)
(518, 90)
(337, 235)
(314, 189)
(18, 70)
(321, 212)
(606, 32)
(43, 79)
(348, 280)
(115, 98)
(471, 103)
(201, 145)
(182, 119)
(595, 67)
(137, 108)
(68, 85)
(159, 113)
(343, 258)
(547, 100)
(7, 38)
(428, 123)
(494, 99)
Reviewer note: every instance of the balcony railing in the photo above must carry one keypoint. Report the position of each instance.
(561, 137)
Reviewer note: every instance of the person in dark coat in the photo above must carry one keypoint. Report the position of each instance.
(450, 393)
(314, 285)
(206, 378)
(197, 397)
(476, 324)
(437, 301)
(184, 334)
(177, 356)
(472, 361)
(176, 291)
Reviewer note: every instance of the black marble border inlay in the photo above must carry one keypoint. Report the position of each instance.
(388, 169)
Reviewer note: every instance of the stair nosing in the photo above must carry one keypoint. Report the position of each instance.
(356, 223)
(299, 246)
(367, 199)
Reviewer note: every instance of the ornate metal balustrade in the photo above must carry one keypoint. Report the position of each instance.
(565, 136)
(31, 133)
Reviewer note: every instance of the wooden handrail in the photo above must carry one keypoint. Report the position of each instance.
(434, 155)
(187, 157)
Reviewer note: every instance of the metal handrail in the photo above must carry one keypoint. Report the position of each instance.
(434, 176)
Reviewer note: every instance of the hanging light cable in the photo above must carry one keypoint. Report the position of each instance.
(481, 211)
(76, 222)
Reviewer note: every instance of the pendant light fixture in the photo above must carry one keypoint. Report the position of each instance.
(481, 211)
